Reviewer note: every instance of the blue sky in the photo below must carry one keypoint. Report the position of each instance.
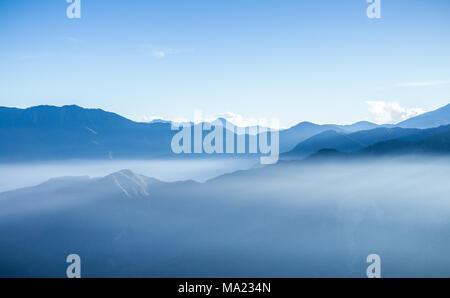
(319, 61)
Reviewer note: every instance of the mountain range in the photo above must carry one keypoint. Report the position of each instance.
(358, 141)
(73, 132)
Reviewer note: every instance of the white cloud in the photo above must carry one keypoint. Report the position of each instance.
(158, 54)
(71, 39)
(424, 84)
(150, 118)
(391, 112)
(162, 53)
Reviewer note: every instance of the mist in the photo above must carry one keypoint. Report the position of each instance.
(296, 219)
(16, 176)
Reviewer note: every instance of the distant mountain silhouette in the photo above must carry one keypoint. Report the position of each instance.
(328, 139)
(435, 118)
(47, 132)
(437, 144)
(306, 130)
(359, 140)
(418, 144)
(291, 137)
(302, 131)
(361, 125)
(72, 132)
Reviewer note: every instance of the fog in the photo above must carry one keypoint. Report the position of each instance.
(302, 219)
(15, 176)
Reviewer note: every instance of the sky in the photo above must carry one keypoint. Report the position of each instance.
(293, 60)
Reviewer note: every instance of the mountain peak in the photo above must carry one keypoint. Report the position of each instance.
(304, 124)
(132, 184)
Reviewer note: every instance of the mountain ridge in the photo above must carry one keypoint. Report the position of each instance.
(438, 117)
(357, 141)
(48, 132)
